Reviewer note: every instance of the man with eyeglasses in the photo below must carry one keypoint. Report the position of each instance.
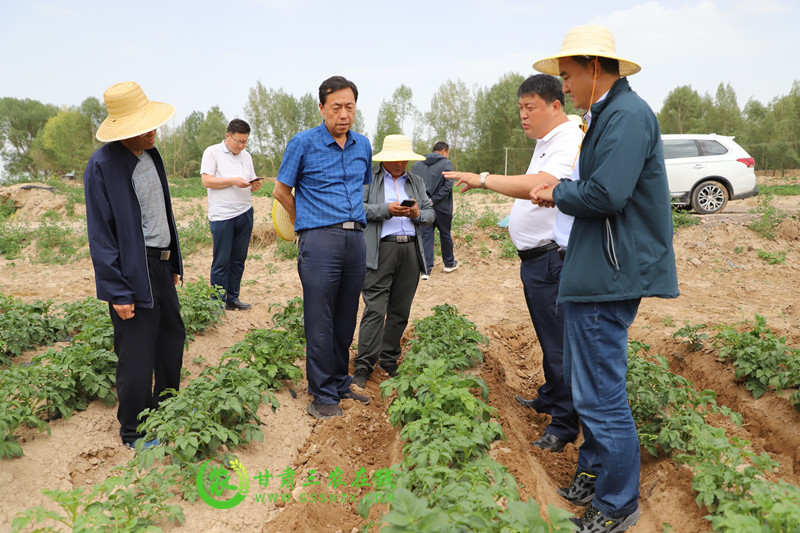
(227, 172)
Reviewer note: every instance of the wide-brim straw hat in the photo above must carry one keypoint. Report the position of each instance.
(397, 148)
(281, 221)
(130, 113)
(592, 41)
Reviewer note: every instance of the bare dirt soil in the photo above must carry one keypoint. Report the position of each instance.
(722, 281)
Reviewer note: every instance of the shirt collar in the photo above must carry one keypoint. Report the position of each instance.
(329, 138)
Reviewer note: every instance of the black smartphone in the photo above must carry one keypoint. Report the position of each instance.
(408, 203)
(256, 179)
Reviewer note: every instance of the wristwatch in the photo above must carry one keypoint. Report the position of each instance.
(483, 179)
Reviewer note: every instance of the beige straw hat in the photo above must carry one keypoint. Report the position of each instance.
(397, 148)
(281, 221)
(594, 41)
(130, 113)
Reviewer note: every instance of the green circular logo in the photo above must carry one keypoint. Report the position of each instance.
(219, 483)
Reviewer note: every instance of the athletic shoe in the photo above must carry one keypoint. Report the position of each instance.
(360, 377)
(349, 394)
(424, 277)
(323, 411)
(581, 492)
(451, 267)
(147, 445)
(593, 521)
(550, 442)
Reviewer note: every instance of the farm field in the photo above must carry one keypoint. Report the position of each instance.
(725, 276)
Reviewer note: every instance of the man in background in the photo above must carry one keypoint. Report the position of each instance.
(440, 192)
(397, 207)
(228, 174)
(133, 242)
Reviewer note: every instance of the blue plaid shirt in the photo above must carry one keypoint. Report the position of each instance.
(328, 180)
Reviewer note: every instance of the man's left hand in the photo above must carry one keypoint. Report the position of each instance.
(255, 185)
(176, 279)
(542, 195)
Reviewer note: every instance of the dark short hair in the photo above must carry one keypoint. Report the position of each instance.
(441, 146)
(238, 125)
(609, 66)
(547, 87)
(333, 84)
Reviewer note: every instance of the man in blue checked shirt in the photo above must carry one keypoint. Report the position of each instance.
(328, 167)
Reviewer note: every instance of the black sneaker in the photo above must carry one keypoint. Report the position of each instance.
(360, 377)
(532, 404)
(323, 411)
(550, 442)
(593, 521)
(389, 369)
(350, 394)
(581, 492)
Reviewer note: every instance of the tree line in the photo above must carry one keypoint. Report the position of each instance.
(481, 124)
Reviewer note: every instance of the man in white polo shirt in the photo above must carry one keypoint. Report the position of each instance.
(228, 174)
(541, 110)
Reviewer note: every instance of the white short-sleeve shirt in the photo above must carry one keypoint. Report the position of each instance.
(531, 226)
(230, 202)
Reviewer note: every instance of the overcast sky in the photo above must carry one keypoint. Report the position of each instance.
(197, 54)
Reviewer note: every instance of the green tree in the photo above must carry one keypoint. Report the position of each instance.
(387, 124)
(451, 116)
(682, 111)
(64, 144)
(499, 138)
(20, 122)
(723, 115)
(95, 111)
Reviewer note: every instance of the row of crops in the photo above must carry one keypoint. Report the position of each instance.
(446, 480)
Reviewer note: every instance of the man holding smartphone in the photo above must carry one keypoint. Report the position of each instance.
(396, 205)
(227, 172)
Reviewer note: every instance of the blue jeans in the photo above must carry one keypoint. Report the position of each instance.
(231, 240)
(442, 222)
(595, 366)
(331, 263)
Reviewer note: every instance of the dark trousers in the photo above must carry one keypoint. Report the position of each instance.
(442, 222)
(150, 343)
(331, 263)
(388, 293)
(231, 240)
(540, 278)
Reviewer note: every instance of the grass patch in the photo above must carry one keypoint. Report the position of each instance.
(285, 250)
(7, 208)
(186, 187)
(59, 244)
(779, 190)
(681, 217)
(770, 217)
(13, 239)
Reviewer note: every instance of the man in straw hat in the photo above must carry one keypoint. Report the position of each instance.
(620, 250)
(396, 206)
(535, 233)
(328, 167)
(133, 242)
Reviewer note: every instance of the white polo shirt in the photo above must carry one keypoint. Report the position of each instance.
(531, 226)
(230, 202)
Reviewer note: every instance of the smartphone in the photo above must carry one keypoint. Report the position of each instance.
(408, 203)
(256, 179)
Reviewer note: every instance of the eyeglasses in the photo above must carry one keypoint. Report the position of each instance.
(237, 141)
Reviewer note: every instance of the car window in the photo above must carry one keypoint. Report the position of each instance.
(677, 148)
(712, 148)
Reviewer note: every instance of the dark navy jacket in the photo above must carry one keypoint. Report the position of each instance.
(114, 222)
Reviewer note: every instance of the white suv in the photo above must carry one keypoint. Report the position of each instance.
(704, 171)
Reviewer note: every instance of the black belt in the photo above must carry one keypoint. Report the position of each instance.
(536, 252)
(158, 253)
(399, 238)
(347, 225)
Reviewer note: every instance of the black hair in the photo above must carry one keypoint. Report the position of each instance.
(609, 66)
(546, 86)
(441, 146)
(333, 84)
(238, 125)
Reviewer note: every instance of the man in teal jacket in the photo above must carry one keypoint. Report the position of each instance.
(619, 251)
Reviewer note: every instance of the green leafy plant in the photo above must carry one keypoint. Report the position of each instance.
(694, 338)
(772, 258)
(682, 218)
(59, 244)
(201, 307)
(290, 317)
(14, 238)
(194, 234)
(270, 351)
(770, 217)
(286, 250)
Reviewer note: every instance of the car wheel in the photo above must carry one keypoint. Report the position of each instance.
(709, 197)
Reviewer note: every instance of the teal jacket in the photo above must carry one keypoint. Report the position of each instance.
(620, 246)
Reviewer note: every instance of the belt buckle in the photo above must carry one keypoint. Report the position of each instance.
(164, 255)
(349, 225)
(402, 238)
